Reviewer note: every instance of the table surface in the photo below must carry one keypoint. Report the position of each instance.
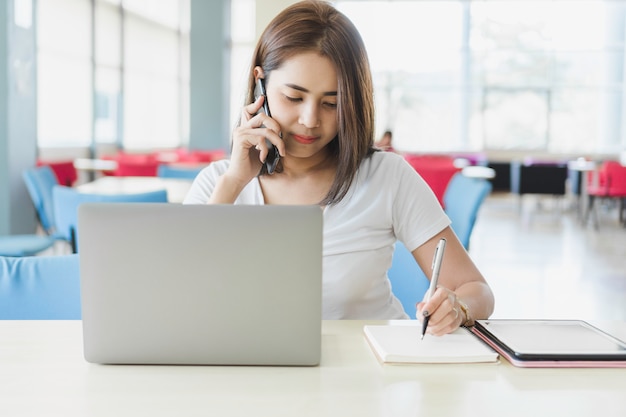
(177, 188)
(42, 372)
(476, 171)
(581, 165)
(88, 164)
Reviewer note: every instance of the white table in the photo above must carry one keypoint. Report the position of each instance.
(89, 164)
(477, 171)
(177, 188)
(89, 169)
(43, 373)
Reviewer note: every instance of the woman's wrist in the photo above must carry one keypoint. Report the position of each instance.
(468, 320)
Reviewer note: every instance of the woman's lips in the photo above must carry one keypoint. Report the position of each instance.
(305, 140)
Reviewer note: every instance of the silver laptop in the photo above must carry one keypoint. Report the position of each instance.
(200, 284)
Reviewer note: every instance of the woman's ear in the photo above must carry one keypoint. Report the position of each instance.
(258, 73)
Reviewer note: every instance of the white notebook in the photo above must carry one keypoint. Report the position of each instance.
(403, 344)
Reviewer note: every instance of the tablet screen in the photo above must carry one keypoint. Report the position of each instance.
(553, 337)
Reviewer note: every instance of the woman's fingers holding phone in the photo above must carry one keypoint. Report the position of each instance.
(254, 142)
(266, 139)
(270, 130)
(250, 111)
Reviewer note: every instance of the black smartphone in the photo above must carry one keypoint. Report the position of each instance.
(273, 156)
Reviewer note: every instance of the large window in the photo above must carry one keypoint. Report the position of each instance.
(64, 75)
(113, 72)
(528, 75)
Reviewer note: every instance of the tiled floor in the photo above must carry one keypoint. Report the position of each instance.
(543, 263)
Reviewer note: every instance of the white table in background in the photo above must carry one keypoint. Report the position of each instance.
(477, 171)
(88, 164)
(44, 374)
(177, 188)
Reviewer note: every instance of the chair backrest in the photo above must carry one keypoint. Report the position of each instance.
(136, 165)
(66, 201)
(616, 179)
(538, 178)
(437, 171)
(462, 200)
(39, 183)
(40, 288)
(64, 171)
(169, 171)
(408, 281)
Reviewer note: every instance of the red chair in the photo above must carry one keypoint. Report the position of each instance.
(129, 168)
(64, 171)
(608, 182)
(437, 171)
(134, 165)
(201, 156)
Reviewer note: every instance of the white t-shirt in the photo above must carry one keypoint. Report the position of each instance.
(387, 201)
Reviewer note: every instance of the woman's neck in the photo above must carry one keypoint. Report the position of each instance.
(303, 167)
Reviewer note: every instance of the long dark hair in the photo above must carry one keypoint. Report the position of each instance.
(317, 26)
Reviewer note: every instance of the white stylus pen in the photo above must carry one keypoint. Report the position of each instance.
(437, 261)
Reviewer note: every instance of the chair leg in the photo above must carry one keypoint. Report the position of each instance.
(587, 210)
(592, 212)
(73, 240)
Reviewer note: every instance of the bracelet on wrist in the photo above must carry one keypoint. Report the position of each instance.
(465, 309)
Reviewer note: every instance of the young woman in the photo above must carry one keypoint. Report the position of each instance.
(319, 91)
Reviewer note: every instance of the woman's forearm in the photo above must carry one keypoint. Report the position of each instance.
(226, 190)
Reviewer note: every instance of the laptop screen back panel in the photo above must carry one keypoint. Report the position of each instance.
(223, 285)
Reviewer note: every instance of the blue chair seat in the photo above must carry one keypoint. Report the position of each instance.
(40, 288)
(168, 171)
(24, 245)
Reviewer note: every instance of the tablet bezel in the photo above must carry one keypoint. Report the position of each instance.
(482, 329)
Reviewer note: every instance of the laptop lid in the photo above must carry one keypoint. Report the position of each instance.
(200, 284)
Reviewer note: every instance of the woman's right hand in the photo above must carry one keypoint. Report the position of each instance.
(250, 149)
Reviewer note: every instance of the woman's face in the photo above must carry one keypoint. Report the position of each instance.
(302, 96)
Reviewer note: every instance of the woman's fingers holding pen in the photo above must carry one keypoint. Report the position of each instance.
(444, 311)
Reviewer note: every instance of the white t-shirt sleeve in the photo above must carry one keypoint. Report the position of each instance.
(417, 214)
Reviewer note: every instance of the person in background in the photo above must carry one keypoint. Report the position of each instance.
(319, 90)
(384, 143)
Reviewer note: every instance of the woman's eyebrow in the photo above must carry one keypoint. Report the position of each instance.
(304, 90)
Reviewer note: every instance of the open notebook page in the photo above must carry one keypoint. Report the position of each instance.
(403, 344)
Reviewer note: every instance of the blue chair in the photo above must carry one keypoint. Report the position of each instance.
(39, 182)
(462, 200)
(40, 288)
(25, 245)
(168, 171)
(408, 281)
(66, 201)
